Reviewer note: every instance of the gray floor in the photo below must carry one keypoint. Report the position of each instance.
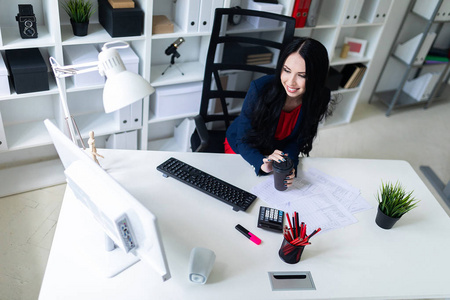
(421, 137)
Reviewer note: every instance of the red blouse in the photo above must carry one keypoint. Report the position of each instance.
(286, 123)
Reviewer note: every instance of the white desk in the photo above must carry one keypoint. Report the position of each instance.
(362, 260)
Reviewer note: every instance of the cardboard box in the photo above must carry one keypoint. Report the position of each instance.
(79, 54)
(267, 7)
(161, 24)
(130, 59)
(117, 4)
(4, 83)
(179, 99)
(121, 22)
(28, 70)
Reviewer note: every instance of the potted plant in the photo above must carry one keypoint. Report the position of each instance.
(79, 12)
(393, 202)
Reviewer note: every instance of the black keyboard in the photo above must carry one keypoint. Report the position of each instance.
(213, 186)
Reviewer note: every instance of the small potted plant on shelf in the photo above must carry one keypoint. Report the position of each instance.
(393, 202)
(79, 12)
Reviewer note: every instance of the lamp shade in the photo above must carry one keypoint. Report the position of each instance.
(122, 87)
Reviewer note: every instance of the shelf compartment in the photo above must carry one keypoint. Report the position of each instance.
(12, 40)
(27, 135)
(193, 71)
(96, 34)
(403, 99)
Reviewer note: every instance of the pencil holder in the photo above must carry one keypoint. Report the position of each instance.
(289, 253)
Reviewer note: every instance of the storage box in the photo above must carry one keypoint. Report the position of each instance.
(27, 69)
(161, 24)
(120, 22)
(121, 3)
(130, 59)
(267, 7)
(4, 83)
(80, 54)
(180, 99)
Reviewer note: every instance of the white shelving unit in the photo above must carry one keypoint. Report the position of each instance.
(406, 65)
(27, 139)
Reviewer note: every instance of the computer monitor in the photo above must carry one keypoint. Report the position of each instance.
(111, 210)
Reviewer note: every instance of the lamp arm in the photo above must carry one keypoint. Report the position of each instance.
(71, 70)
(70, 121)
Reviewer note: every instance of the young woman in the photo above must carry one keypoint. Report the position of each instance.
(281, 112)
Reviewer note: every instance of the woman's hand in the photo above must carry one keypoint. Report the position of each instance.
(278, 156)
(290, 178)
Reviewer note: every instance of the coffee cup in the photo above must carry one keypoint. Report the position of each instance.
(280, 171)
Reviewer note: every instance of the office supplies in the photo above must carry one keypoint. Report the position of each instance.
(187, 15)
(289, 281)
(313, 13)
(270, 219)
(248, 234)
(201, 263)
(295, 240)
(206, 14)
(353, 10)
(375, 11)
(300, 12)
(211, 185)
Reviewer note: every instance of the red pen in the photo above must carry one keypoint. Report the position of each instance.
(248, 234)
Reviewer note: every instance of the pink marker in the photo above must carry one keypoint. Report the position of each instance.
(248, 234)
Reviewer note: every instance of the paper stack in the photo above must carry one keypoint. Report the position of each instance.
(421, 87)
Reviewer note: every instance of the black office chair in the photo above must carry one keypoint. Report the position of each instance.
(226, 54)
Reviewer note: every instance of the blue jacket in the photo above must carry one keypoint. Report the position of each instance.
(237, 130)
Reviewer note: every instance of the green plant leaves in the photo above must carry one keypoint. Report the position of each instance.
(394, 201)
(79, 10)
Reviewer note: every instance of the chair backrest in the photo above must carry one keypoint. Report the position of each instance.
(230, 50)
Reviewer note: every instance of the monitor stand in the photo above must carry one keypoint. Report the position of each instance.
(89, 238)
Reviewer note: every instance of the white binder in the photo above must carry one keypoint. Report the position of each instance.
(122, 140)
(353, 11)
(426, 9)
(187, 14)
(136, 114)
(375, 11)
(313, 13)
(3, 145)
(207, 10)
(123, 117)
(444, 11)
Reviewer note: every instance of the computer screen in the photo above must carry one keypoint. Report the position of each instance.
(129, 224)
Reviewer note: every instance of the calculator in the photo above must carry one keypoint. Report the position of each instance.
(270, 219)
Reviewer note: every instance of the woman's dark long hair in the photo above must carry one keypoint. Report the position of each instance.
(315, 101)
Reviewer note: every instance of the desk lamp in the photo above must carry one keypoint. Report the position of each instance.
(122, 87)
